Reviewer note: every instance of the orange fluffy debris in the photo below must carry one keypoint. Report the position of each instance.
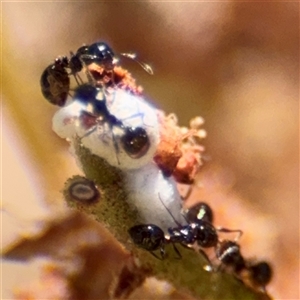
(168, 151)
(117, 76)
(179, 151)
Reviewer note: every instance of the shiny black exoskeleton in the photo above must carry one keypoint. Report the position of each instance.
(99, 53)
(201, 232)
(149, 237)
(200, 211)
(228, 252)
(135, 141)
(260, 274)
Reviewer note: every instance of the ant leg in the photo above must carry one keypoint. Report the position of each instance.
(75, 78)
(139, 114)
(188, 193)
(80, 79)
(152, 253)
(240, 232)
(188, 246)
(208, 267)
(115, 145)
(162, 252)
(90, 78)
(177, 251)
(89, 132)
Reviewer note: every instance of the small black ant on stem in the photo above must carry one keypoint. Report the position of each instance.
(99, 61)
(135, 141)
(201, 232)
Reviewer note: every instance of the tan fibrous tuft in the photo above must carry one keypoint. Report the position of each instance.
(179, 150)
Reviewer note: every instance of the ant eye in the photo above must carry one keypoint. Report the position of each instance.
(83, 190)
(135, 142)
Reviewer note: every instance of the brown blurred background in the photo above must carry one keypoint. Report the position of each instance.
(235, 64)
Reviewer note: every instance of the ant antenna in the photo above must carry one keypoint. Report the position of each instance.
(177, 223)
(145, 66)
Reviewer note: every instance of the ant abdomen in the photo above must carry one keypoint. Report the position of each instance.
(55, 83)
(260, 274)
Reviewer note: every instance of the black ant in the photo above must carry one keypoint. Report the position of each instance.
(201, 232)
(99, 60)
(55, 80)
(135, 141)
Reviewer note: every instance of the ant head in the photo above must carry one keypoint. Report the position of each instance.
(99, 53)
